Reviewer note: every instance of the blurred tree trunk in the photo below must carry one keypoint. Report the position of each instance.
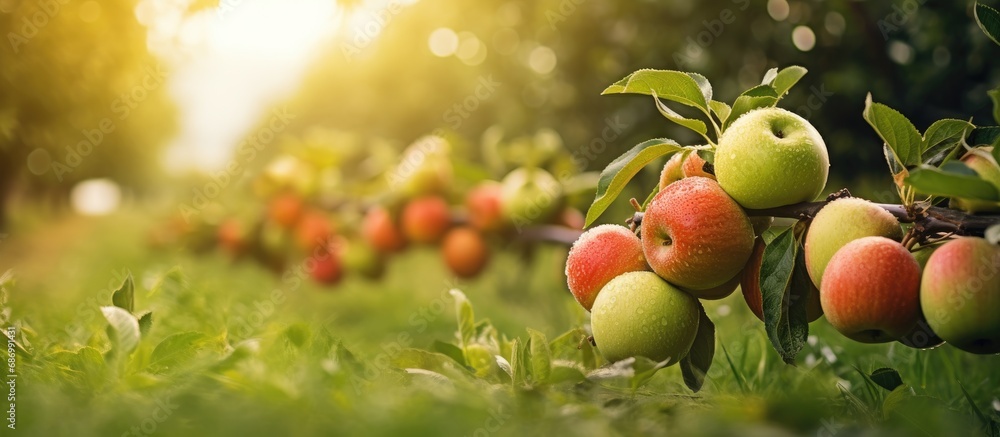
(8, 174)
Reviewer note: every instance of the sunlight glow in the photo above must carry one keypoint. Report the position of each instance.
(232, 63)
(95, 197)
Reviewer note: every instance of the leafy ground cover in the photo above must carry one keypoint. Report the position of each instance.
(234, 350)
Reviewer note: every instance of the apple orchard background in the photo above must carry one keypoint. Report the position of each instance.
(130, 130)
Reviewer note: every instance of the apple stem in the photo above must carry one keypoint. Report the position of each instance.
(635, 204)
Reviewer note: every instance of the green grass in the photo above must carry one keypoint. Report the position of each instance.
(330, 360)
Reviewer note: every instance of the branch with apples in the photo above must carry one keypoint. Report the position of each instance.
(910, 272)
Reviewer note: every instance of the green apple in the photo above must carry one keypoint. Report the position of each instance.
(840, 222)
(771, 157)
(284, 174)
(359, 257)
(529, 196)
(640, 314)
(425, 168)
(960, 294)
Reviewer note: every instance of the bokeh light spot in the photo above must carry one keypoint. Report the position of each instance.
(542, 60)
(471, 50)
(39, 161)
(834, 23)
(803, 38)
(443, 42)
(900, 52)
(95, 197)
(777, 9)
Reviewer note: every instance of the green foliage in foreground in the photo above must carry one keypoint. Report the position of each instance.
(220, 352)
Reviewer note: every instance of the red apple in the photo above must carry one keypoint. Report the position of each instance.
(695, 236)
(695, 166)
(325, 268)
(285, 209)
(232, 236)
(313, 230)
(672, 171)
(871, 290)
(960, 294)
(598, 256)
(425, 219)
(571, 218)
(380, 231)
(483, 204)
(465, 252)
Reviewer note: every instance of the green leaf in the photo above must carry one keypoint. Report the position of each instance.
(887, 378)
(954, 179)
(740, 379)
(707, 155)
(943, 134)
(698, 361)
(124, 328)
(985, 136)
(703, 85)
(896, 167)
(466, 318)
(176, 350)
(986, 421)
(989, 21)
(650, 197)
(615, 370)
(563, 373)
(721, 110)
(995, 97)
(644, 369)
(894, 399)
(541, 356)
(450, 350)
(567, 345)
(675, 86)
(617, 174)
(124, 297)
(895, 130)
(478, 357)
(435, 362)
(86, 367)
(669, 114)
(787, 78)
(145, 322)
(638, 370)
(760, 96)
(520, 362)
(785, 286)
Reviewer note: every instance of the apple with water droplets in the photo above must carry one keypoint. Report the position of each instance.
(640, 314)
(771, 157)
(695, 236)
